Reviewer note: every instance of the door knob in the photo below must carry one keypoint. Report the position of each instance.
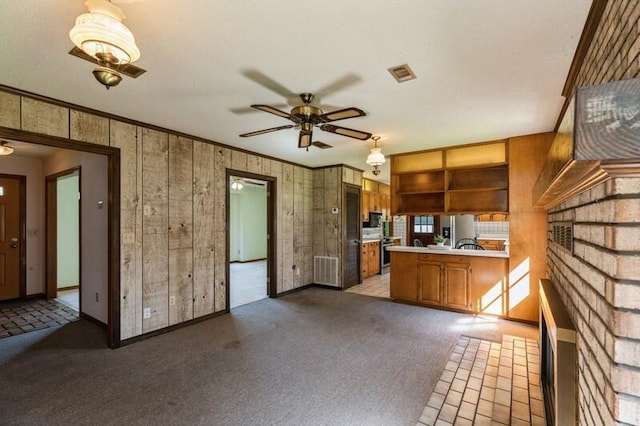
(14, 242)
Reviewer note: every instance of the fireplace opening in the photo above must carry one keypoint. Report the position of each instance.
(558, 359)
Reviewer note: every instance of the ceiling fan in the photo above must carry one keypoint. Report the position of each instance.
(308, 116)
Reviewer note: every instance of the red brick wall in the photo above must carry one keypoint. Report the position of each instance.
(600, 281)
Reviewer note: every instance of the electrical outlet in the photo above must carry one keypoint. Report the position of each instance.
(146, 313)
(172, 300)
(97, 297)
(298, 272)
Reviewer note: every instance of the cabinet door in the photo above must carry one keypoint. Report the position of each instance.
(374, 202)
(365, 205)
(430, 283)
(403, 279)
(456, 285)
(374, 258)
(385, 205)
(364, 261)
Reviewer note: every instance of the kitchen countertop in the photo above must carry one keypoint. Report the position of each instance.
(457, 252)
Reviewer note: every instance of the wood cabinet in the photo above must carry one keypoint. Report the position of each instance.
(376, 197)
(493, 217)
(442, 282)
(370, 258)
(467, 179)
(475, 284)
(497, 245)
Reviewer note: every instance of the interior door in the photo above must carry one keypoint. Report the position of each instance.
(11, 204)
(351, 236)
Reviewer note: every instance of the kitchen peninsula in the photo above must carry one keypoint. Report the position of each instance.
(472, 281)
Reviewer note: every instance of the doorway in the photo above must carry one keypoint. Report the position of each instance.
(12, 236)
(250, 224)
(352, 237)
(63, 254)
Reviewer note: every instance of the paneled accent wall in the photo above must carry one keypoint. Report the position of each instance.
(328, 194)
(173, 212)
(600, 281)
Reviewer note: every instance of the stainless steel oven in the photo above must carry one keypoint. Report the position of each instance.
(385, 255)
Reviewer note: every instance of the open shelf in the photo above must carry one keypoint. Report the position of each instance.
(482, 178)
(414, 183)
(419, 203)
(475, 201)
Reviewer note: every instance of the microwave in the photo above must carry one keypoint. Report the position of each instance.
(375, 220)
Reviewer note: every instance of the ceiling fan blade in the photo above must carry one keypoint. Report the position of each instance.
(341, 114)
(338, 85)
(268, 83)
(356, 134)
(304, 140)
(249, 110)
(272, 110)
(260, 132)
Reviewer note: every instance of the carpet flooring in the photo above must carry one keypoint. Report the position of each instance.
(314, 357)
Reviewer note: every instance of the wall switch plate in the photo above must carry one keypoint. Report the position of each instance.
(146, 313)
(172, 300)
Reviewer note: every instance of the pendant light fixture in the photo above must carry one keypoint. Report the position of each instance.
(102, 35)
(5, 149)
(376, 158)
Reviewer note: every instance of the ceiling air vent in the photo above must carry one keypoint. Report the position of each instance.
(402, 73)
(321, 145)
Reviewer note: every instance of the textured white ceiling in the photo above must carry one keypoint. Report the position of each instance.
(486, 69)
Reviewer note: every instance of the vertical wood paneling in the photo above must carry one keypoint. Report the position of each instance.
(238, 160)
(89, 128)
(9, 110)
(298, 226)
(203, 228)
(124, 136)
(44, 118)
(222, 161)
(180, 229)
(308, 227)
(319, 248)
(287, 226)
(254, 163)
(276, 171)
(155, 249)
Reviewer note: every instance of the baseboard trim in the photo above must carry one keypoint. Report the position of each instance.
(93, 320)
(34, 296)
(161, 331)
(304, 287)
(71, 287)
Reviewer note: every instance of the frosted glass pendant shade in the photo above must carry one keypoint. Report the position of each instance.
(376, 157)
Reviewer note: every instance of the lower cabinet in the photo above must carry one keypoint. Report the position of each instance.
(464, 283)
(444, 283)
(370, 259)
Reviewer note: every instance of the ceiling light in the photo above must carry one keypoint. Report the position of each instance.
(102, 35)
(5, 149)
(376, 158)
(236, 185)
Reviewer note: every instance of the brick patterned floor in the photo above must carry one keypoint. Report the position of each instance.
(25, 316)
(488, 383)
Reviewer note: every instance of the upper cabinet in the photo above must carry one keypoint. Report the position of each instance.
(466, 179)
(376, 197)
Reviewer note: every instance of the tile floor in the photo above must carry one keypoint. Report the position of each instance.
(17, 317)
(488, 383)
(70, 298)
(375, 286)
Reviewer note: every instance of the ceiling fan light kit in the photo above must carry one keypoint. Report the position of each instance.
(308, 116)
(102, 35)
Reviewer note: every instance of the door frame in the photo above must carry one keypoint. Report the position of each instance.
(358, 189)
(22, 181)
(51, 232)
(113, 215)
(272, 286)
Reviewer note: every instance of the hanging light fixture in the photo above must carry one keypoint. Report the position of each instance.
(237, 185)
(102, 35)
(5, 149)
(376, 158)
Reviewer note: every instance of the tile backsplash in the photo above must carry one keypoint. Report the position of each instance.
(501, 227)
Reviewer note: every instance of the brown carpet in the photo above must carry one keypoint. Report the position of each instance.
(315, 357)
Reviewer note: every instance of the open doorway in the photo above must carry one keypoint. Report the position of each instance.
(63, 252)
(249, 214)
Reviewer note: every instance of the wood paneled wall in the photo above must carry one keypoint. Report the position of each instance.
(173, 212)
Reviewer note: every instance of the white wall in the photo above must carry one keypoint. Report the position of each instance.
(248, 227)
(32, 169)
(68, 243)
(94, 229)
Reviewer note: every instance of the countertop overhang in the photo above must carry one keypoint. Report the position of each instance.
(456, 252)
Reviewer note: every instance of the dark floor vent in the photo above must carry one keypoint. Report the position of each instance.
(562, 234)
